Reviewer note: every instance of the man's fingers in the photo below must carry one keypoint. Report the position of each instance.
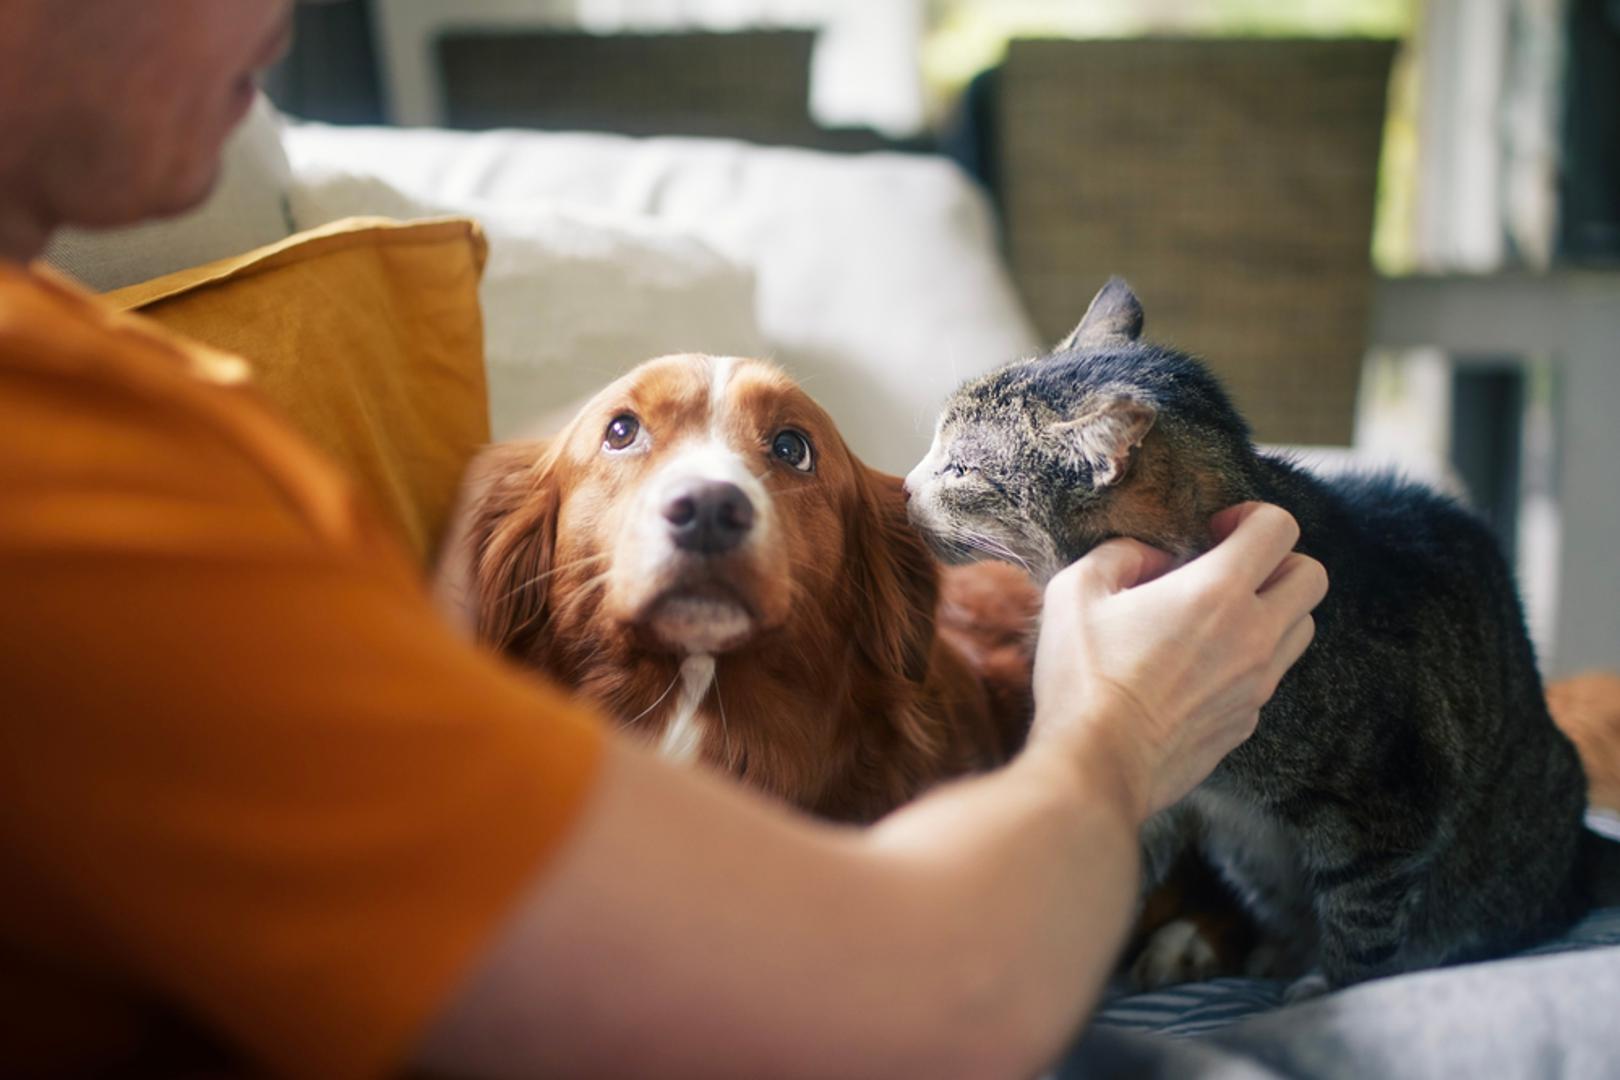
(1291, 648)
(1222, 524)
(1297, 586)
(1121, 564)
(1259, 536)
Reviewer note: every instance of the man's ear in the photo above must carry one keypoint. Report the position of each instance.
(894, 572)
(1114, 318)
(1110, 425)
(491, 578)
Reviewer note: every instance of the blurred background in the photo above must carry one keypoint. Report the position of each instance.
(1392, 225)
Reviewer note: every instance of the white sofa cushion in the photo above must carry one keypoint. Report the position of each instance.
(572, 298)
(879, 283)
(246, 211)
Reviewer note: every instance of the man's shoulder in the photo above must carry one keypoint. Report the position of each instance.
(96, 401)
(49, 322)
(41, 314)
(63, 352)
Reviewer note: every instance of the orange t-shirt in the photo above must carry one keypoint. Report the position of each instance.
(259, 807)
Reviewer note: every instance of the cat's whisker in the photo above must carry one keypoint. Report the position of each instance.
(988, 545)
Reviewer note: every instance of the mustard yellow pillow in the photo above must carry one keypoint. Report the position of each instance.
(368, 335)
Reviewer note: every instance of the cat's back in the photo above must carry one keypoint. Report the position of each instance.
(1392, 541)
(1423, 667)
(1421, 628)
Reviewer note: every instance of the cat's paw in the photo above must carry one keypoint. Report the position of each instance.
(1306, 987)
(1177, 952)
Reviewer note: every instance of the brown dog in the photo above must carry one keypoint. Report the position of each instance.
(700, 554)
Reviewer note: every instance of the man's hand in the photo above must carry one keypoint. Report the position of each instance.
(1162, 671)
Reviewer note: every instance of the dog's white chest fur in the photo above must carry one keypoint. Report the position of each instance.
(683, 735)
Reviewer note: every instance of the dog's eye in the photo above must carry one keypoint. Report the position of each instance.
(621, 432)
(957, 469)
(793, 448)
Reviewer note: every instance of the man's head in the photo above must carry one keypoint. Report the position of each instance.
(116, 110)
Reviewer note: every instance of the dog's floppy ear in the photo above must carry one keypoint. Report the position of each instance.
(491, 576)
(894, 572)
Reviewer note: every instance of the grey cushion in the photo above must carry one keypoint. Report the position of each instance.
(1199, 1008)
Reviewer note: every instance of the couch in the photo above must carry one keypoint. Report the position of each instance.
(874, 279)
(877, 279)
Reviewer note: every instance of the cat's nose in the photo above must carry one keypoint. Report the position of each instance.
(709, 517)
(912, 480)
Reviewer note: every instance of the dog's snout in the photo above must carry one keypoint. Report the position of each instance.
(709, 518)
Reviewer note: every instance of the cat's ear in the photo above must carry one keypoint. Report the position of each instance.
(1114, 318)
(1102, 437)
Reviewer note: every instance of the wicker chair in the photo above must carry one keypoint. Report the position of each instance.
(1232, 182)
(752, 85)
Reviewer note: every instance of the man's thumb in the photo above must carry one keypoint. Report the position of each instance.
(1121, 564)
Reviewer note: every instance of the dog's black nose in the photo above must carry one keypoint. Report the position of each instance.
(709, 518)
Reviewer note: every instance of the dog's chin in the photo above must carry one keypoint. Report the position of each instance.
(699, 621)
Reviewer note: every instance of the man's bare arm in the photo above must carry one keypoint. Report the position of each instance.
(691, 928)
(694, 929)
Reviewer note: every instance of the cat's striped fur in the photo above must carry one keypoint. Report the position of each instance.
(1407, 801)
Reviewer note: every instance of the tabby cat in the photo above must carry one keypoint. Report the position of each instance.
(1406, 800)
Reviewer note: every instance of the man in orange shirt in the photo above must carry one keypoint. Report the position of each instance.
(262, 811)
